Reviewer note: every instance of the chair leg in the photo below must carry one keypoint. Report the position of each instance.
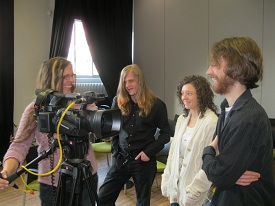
(24, 193)
(24, 199)
(125, 188)
(156, 180)
(107, 159)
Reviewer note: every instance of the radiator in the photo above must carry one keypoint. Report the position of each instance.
(94, 87)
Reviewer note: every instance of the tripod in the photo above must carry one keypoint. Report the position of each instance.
(75, 168)
(74, 172)
(78, 173)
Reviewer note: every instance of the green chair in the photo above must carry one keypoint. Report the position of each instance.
(103, 147)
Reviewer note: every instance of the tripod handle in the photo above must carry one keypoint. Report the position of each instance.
(11, 178)
(43, 155)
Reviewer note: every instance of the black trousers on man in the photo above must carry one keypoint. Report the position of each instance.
(143, 174)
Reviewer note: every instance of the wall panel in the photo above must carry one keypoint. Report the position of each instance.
(172, 39)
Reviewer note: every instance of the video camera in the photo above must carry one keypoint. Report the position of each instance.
(50, 105)
(75, 126)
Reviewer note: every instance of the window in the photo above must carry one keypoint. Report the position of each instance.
(80, 56)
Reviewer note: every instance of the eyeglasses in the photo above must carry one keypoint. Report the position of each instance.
(69, 76)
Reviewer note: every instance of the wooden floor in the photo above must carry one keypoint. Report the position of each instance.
(14, 197)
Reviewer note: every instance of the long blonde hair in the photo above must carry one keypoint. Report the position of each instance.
(50, 76)
(145, 97)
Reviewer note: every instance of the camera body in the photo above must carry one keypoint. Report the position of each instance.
(51, 105)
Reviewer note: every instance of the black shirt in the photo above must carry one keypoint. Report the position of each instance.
(138, 132)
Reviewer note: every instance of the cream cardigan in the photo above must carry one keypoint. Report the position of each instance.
(190, 186)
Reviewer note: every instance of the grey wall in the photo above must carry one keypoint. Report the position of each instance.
(32, 33)
(173, 37)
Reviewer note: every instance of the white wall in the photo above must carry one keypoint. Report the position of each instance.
(173, 37)
(32, 33)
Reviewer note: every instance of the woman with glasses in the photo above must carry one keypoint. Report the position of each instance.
(56, 74)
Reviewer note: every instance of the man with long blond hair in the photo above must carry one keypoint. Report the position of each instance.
(135, 149)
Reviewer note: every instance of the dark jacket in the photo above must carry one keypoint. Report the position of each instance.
(245, 143)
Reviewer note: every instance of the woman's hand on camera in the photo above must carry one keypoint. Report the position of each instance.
(91, 107)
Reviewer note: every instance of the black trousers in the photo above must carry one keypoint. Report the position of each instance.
(143, 174)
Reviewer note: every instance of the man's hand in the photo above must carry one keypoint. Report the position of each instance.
(142, 156)
(247, 178)
(215, 145)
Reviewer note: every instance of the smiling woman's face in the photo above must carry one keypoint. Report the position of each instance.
(68, 79)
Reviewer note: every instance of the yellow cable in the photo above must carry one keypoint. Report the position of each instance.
(59, 144)
(28, 190)
(25, 182)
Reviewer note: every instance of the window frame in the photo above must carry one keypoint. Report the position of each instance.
(88, 79)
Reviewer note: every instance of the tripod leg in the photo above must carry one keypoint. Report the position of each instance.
(78, 173)
(90, 181)
(92, 189)
(67, 172)
(77, 192)
(61, 189)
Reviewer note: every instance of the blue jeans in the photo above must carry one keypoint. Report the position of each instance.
(46, 193)
(143, 174)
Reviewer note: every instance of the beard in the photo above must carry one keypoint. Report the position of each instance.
(223, 85)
